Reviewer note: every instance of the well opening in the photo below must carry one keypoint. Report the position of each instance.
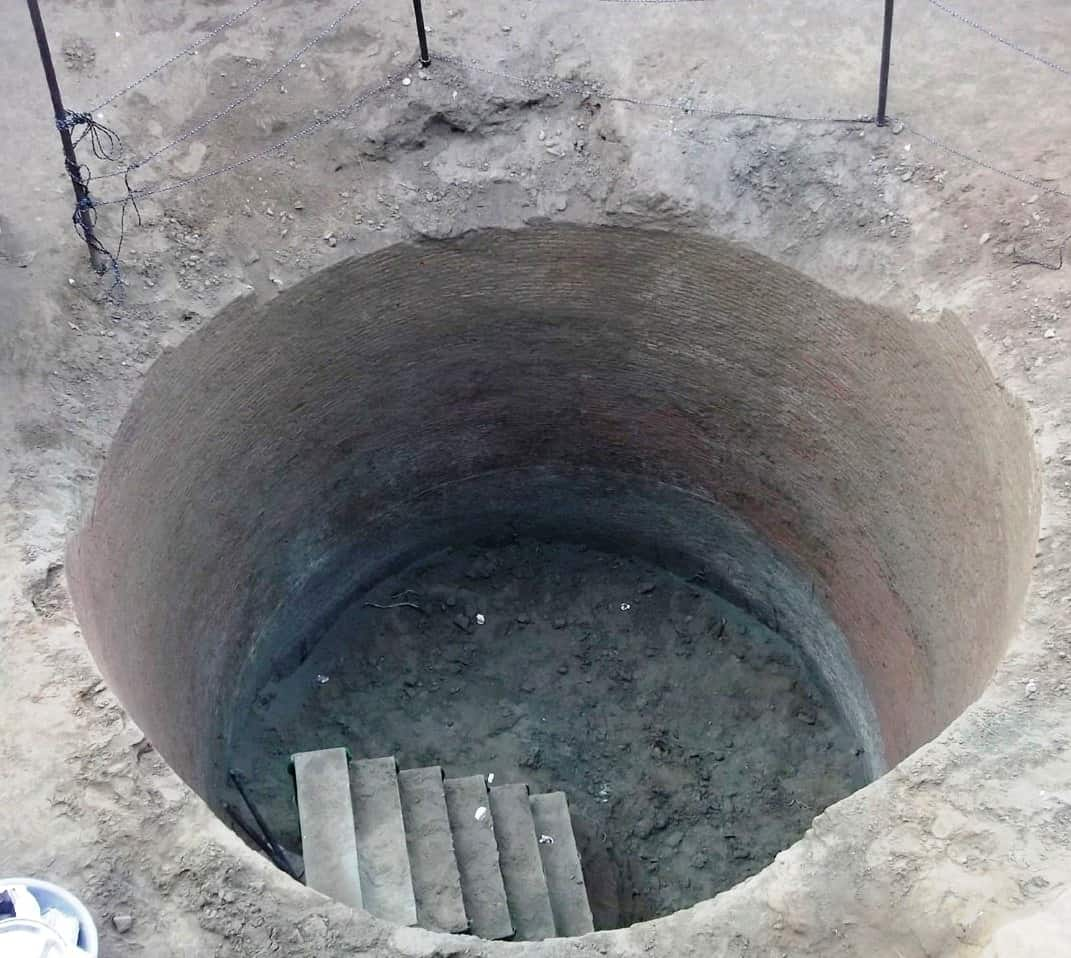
(762, 513)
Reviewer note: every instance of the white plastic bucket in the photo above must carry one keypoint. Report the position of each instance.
(52, 896)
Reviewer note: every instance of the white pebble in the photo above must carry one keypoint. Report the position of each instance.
(481, 813)
(480, 618)
(1050, 333)
(407, 81)
(490, 778)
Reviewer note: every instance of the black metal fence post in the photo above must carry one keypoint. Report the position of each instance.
(422, 36)
(81, 193)
(886, 49)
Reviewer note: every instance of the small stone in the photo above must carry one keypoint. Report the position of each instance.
(807, 717)
(462, 621)
(406, 81)
(983, 239)
(123, 923)
(524, 618)
(481, 813)
(559, 623)
(907, 176)
(481, 619)
(1050, 333)
(322, 679)
(1031, 688)
(646, 588)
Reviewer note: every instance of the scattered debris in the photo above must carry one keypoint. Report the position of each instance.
(394, 605)
(625, 607)
(322, 679)
(546, 839)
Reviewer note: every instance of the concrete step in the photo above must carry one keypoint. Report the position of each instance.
(521, 864)
(325, 814)
(386, 879)
(436, 881)
(468, 808)
(561, 864)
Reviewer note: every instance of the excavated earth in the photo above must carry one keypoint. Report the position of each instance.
(816, 371)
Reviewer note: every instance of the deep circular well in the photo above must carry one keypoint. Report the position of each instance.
(852, 481)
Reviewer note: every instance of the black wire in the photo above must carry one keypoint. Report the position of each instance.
(104, 141)
(85, 212)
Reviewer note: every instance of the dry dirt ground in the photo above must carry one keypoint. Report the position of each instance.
(962, 850)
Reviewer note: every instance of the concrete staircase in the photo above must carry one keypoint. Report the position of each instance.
(446, 854)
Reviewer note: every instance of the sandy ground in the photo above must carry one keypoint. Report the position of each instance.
(581, 678)
(936, 858)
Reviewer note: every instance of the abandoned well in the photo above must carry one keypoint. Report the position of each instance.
(584, 412)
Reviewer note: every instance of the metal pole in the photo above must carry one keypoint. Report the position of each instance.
(81, 194)
(886, 49)
(256, 839)
(422, 36)
(279, 856)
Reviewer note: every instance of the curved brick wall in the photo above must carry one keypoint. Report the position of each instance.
(855, 476)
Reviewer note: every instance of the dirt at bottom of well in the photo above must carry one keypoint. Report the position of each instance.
(689, 740)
